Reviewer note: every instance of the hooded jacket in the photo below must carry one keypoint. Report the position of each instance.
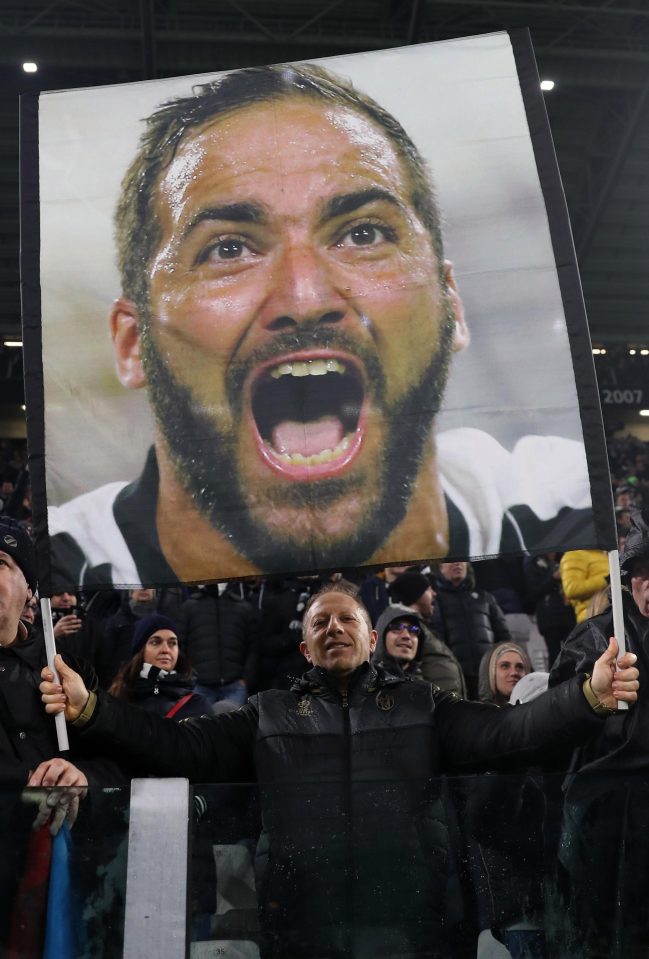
(433, 663)
(381, 657)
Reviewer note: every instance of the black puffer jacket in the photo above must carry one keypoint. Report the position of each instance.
(221, 637)
(355, 854)
(469, 621)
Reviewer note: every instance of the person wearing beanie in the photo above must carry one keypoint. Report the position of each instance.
(15, 542)
(500, 671)
(29, 754)
(609, 804)
(28, 741)
(118, 630)
(158, 676)
(413, 589)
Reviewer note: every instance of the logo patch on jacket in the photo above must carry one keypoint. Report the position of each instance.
(384, 701)
(303, 707)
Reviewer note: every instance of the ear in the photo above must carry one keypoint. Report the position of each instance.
(373, 638)
(305, 651)
(125, 334)
(461, 335)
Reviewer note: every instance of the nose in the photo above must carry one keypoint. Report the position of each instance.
(334, 626)
(305, 290)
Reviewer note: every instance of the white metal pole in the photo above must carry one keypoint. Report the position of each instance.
(50, 648)
(618, 612)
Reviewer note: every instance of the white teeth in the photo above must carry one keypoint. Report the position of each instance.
(308, 368)
(325, 456)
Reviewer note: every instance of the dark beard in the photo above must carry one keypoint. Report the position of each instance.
(205, 464)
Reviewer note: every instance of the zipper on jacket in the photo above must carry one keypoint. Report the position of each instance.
(349, 830)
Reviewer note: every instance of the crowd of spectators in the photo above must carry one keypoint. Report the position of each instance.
(489, 631)
(243, 637)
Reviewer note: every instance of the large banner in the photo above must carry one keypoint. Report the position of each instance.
(305, 317)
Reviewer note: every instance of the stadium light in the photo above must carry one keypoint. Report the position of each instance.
(547, 84)
(30, 67)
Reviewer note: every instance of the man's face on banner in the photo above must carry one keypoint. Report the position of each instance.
(298, 332)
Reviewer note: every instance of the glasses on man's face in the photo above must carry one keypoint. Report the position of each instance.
(412, 628)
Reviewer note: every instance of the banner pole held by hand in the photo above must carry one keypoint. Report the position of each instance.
(618, 612)
(50, 649)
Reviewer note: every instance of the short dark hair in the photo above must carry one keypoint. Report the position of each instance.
(342, 588)
(137, 229)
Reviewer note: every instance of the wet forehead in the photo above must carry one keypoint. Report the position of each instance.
(334, 604)
(256, 151)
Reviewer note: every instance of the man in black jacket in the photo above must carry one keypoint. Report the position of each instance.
(346, 752)
(220, 636)
(469, 620)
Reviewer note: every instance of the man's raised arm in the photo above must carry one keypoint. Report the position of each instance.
(477, 735)
(207, 749)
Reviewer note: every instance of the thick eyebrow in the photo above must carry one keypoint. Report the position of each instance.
(349, 202)
(233, 212)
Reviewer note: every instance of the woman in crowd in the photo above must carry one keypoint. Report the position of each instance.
(158, 676)
(500, 670)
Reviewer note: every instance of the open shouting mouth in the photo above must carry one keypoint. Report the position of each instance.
(308, 413)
